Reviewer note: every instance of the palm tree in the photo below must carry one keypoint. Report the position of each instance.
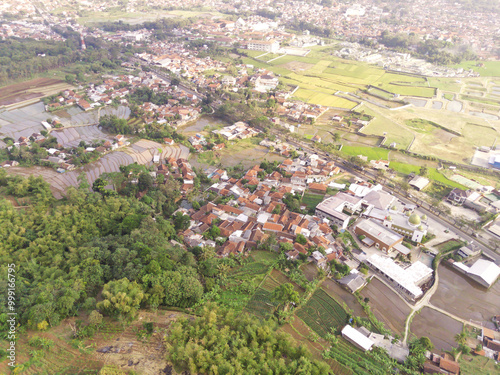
(461, 338)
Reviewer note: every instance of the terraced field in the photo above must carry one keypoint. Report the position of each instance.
(141, 152)
(71, 137)
(322, 313)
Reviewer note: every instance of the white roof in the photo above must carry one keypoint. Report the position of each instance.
(419, 182)
(486, 270)
(407, 278)
(357, 337)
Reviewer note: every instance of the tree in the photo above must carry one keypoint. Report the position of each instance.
(284, 295)
(423, 171)
(99, 185)
(122, 299)
(461, 338)
(145, 181)
(301, 239)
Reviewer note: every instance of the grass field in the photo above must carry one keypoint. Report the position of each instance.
(432, 173)
(489, 68)
(372, 153)
(322, 313)
(478, 365)
(311, 200)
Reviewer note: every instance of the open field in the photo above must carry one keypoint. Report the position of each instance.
(311, 200)
(27, 120)
(372, 153)
(343, 296)
(386, 305)
(478, 365)
(322, 313)
(488, 68)
(34, 89)
(140, 152)
(68, 356)
(464, 298)
(310, 271)
(440, 328)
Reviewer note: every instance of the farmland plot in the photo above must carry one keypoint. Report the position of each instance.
(322, 313)
(141, 152)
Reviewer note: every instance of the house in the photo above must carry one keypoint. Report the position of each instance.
(470, 250)
(338, 209)
(316, 139)
(83, 104)
(458, 196)
(317, 188)
(169, 141)
(353, 282)
(484, 272)
(357, 338)
(419, 182)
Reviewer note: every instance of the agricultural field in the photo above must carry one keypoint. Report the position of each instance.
(322, 313)
(261, 304)
(386, 305)
(34, 89)
(310, 271)
(335, 291)
(140, 152)
(281, 278)
(245, 277)
(461, 296)
(320, 77)
(440, 328)
(484, 68)
(360, 363)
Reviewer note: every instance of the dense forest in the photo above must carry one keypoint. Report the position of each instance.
(222, 342)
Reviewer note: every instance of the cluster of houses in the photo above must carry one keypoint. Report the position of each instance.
(178, 169)
(179, 59)
(239, 130)
(298, 111)
(481, 201)
(61, 157)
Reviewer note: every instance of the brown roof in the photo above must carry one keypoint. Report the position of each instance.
(450, 366)
(273, 227)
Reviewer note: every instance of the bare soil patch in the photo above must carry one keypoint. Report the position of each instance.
(296, 66)
(465, 298)
(386, 305)
(35, 88)
(440, 328)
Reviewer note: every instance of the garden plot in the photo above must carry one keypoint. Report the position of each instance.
(23, 122)
(387, 306)
(141, 152)
(322, 313)
(440, 328)
(343, 296)
(71, 137)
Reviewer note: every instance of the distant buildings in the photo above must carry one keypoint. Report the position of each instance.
(263, 45)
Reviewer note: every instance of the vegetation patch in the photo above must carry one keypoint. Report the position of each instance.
(322, 313)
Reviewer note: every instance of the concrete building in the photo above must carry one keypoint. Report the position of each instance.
(406, 280)
(376, 234)
(357, 338)
(338, 209)
(484, 272)
(263, 45)
(419, 182)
